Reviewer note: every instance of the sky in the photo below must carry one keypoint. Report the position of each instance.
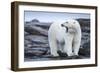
(53, 16)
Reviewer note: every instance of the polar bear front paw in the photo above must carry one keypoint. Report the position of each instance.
(55, 54)
(61, 54)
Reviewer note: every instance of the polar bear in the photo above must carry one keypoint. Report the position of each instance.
(65, 37)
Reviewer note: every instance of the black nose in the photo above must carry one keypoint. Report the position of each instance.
(62, 25)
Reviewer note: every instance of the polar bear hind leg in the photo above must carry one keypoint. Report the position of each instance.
(76, 46)
(68, 48)
(53, 47)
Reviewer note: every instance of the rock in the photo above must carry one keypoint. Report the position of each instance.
(35, 51)
(37, 39)
(36, 30)
(35, 21)
(27, 43)
(44, 25)
(40, 45)
(84, 52)
(26, 33)
(84, 22)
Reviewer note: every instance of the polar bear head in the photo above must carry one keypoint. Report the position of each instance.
(71, 25)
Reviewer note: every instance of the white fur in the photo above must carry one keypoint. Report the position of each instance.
(72, 38)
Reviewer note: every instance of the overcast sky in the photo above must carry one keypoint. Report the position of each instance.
(53, 16)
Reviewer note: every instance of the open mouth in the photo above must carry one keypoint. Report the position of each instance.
(65, 27)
